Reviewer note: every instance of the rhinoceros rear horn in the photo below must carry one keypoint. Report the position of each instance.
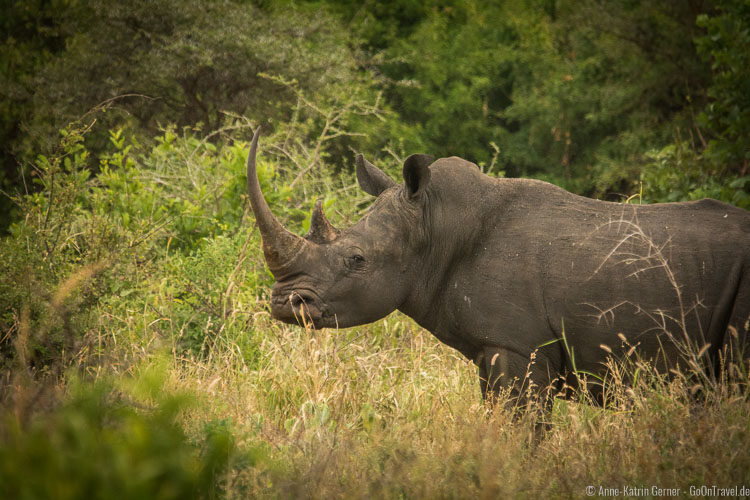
(279, 245)
(321, 231)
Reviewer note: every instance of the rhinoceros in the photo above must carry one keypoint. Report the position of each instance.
(502, 268)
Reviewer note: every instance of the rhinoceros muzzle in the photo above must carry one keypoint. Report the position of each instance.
(302, 307)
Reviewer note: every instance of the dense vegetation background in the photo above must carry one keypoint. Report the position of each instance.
(137, 358)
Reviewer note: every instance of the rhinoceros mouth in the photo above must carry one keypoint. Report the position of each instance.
(301, 307)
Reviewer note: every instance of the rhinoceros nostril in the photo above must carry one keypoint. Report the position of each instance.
(297, 299)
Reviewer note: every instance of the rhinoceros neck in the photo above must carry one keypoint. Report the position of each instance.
(462, 223)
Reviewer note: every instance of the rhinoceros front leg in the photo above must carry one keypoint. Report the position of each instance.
(501, 369)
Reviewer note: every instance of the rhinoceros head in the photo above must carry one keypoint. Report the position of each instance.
(340, 278)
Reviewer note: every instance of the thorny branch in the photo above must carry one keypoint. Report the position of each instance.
(333, 115)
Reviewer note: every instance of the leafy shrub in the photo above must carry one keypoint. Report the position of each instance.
(99, 445)
(211, 294)
(679, 172)
(726, 119)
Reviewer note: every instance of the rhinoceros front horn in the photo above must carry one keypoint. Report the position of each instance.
(280, 246)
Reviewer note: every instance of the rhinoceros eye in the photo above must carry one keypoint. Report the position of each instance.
(355, 261)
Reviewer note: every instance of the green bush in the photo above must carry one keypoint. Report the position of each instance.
(100, 445)
(678, 172)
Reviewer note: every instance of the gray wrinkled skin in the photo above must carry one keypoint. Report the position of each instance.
(500, 268)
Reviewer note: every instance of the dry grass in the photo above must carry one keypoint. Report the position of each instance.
(387, 411)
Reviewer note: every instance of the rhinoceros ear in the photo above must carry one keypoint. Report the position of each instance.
(371, 179)
(417, 173)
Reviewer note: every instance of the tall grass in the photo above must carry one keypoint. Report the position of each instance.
(352, 414)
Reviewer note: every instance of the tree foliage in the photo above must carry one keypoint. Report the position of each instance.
(726, 118)
(577, 93)
(585, 94)
(151, 64)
